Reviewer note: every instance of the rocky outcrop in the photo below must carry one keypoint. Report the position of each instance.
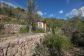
(20, 46)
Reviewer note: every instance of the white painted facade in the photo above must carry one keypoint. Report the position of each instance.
(41, 25)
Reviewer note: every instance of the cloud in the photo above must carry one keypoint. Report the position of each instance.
(14, 4)
(40, 13)
(73, 13)
(81, 10)
(8, 3)
(51, 15)
(61, 11)
(76, 12)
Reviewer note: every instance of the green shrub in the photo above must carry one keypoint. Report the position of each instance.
(7, 19)
(22, 23)
(39, 31)
(78, 38)
(53, 45)
(24, 30)
(57, 44)
(58, 41)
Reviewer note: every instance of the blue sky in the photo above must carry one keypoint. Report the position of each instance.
(51, 8)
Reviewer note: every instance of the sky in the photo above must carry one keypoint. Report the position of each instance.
(50, 8)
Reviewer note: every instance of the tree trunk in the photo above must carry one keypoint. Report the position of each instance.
(30, 28)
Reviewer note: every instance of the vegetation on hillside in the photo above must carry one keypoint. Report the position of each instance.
(64, 34)
(53, 45)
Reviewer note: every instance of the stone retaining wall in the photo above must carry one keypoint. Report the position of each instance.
(20, 46)
(12, 28)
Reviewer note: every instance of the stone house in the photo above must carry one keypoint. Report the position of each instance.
(42, 25)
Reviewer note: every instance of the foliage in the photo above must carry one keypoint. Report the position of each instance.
(1, 28)
(54, 22)
(39, 31)
(75, 29)
(58, 41)
(24, 30)
(41, 50)
(18, 11)
(78, 38)
(34, 26)
(73, 24)
(6, 11)
(22, 22)
(57, 44)
(11, 11)
(53, 45)
(81, 26)
(7, 19)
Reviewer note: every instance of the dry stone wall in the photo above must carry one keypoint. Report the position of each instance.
(12, 28)
(20, 46)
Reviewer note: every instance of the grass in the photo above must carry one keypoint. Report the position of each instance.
(24, 30)
(53, 45)
(58, 41)
(39, 31)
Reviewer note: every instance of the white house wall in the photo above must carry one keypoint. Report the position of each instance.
(40, 25)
